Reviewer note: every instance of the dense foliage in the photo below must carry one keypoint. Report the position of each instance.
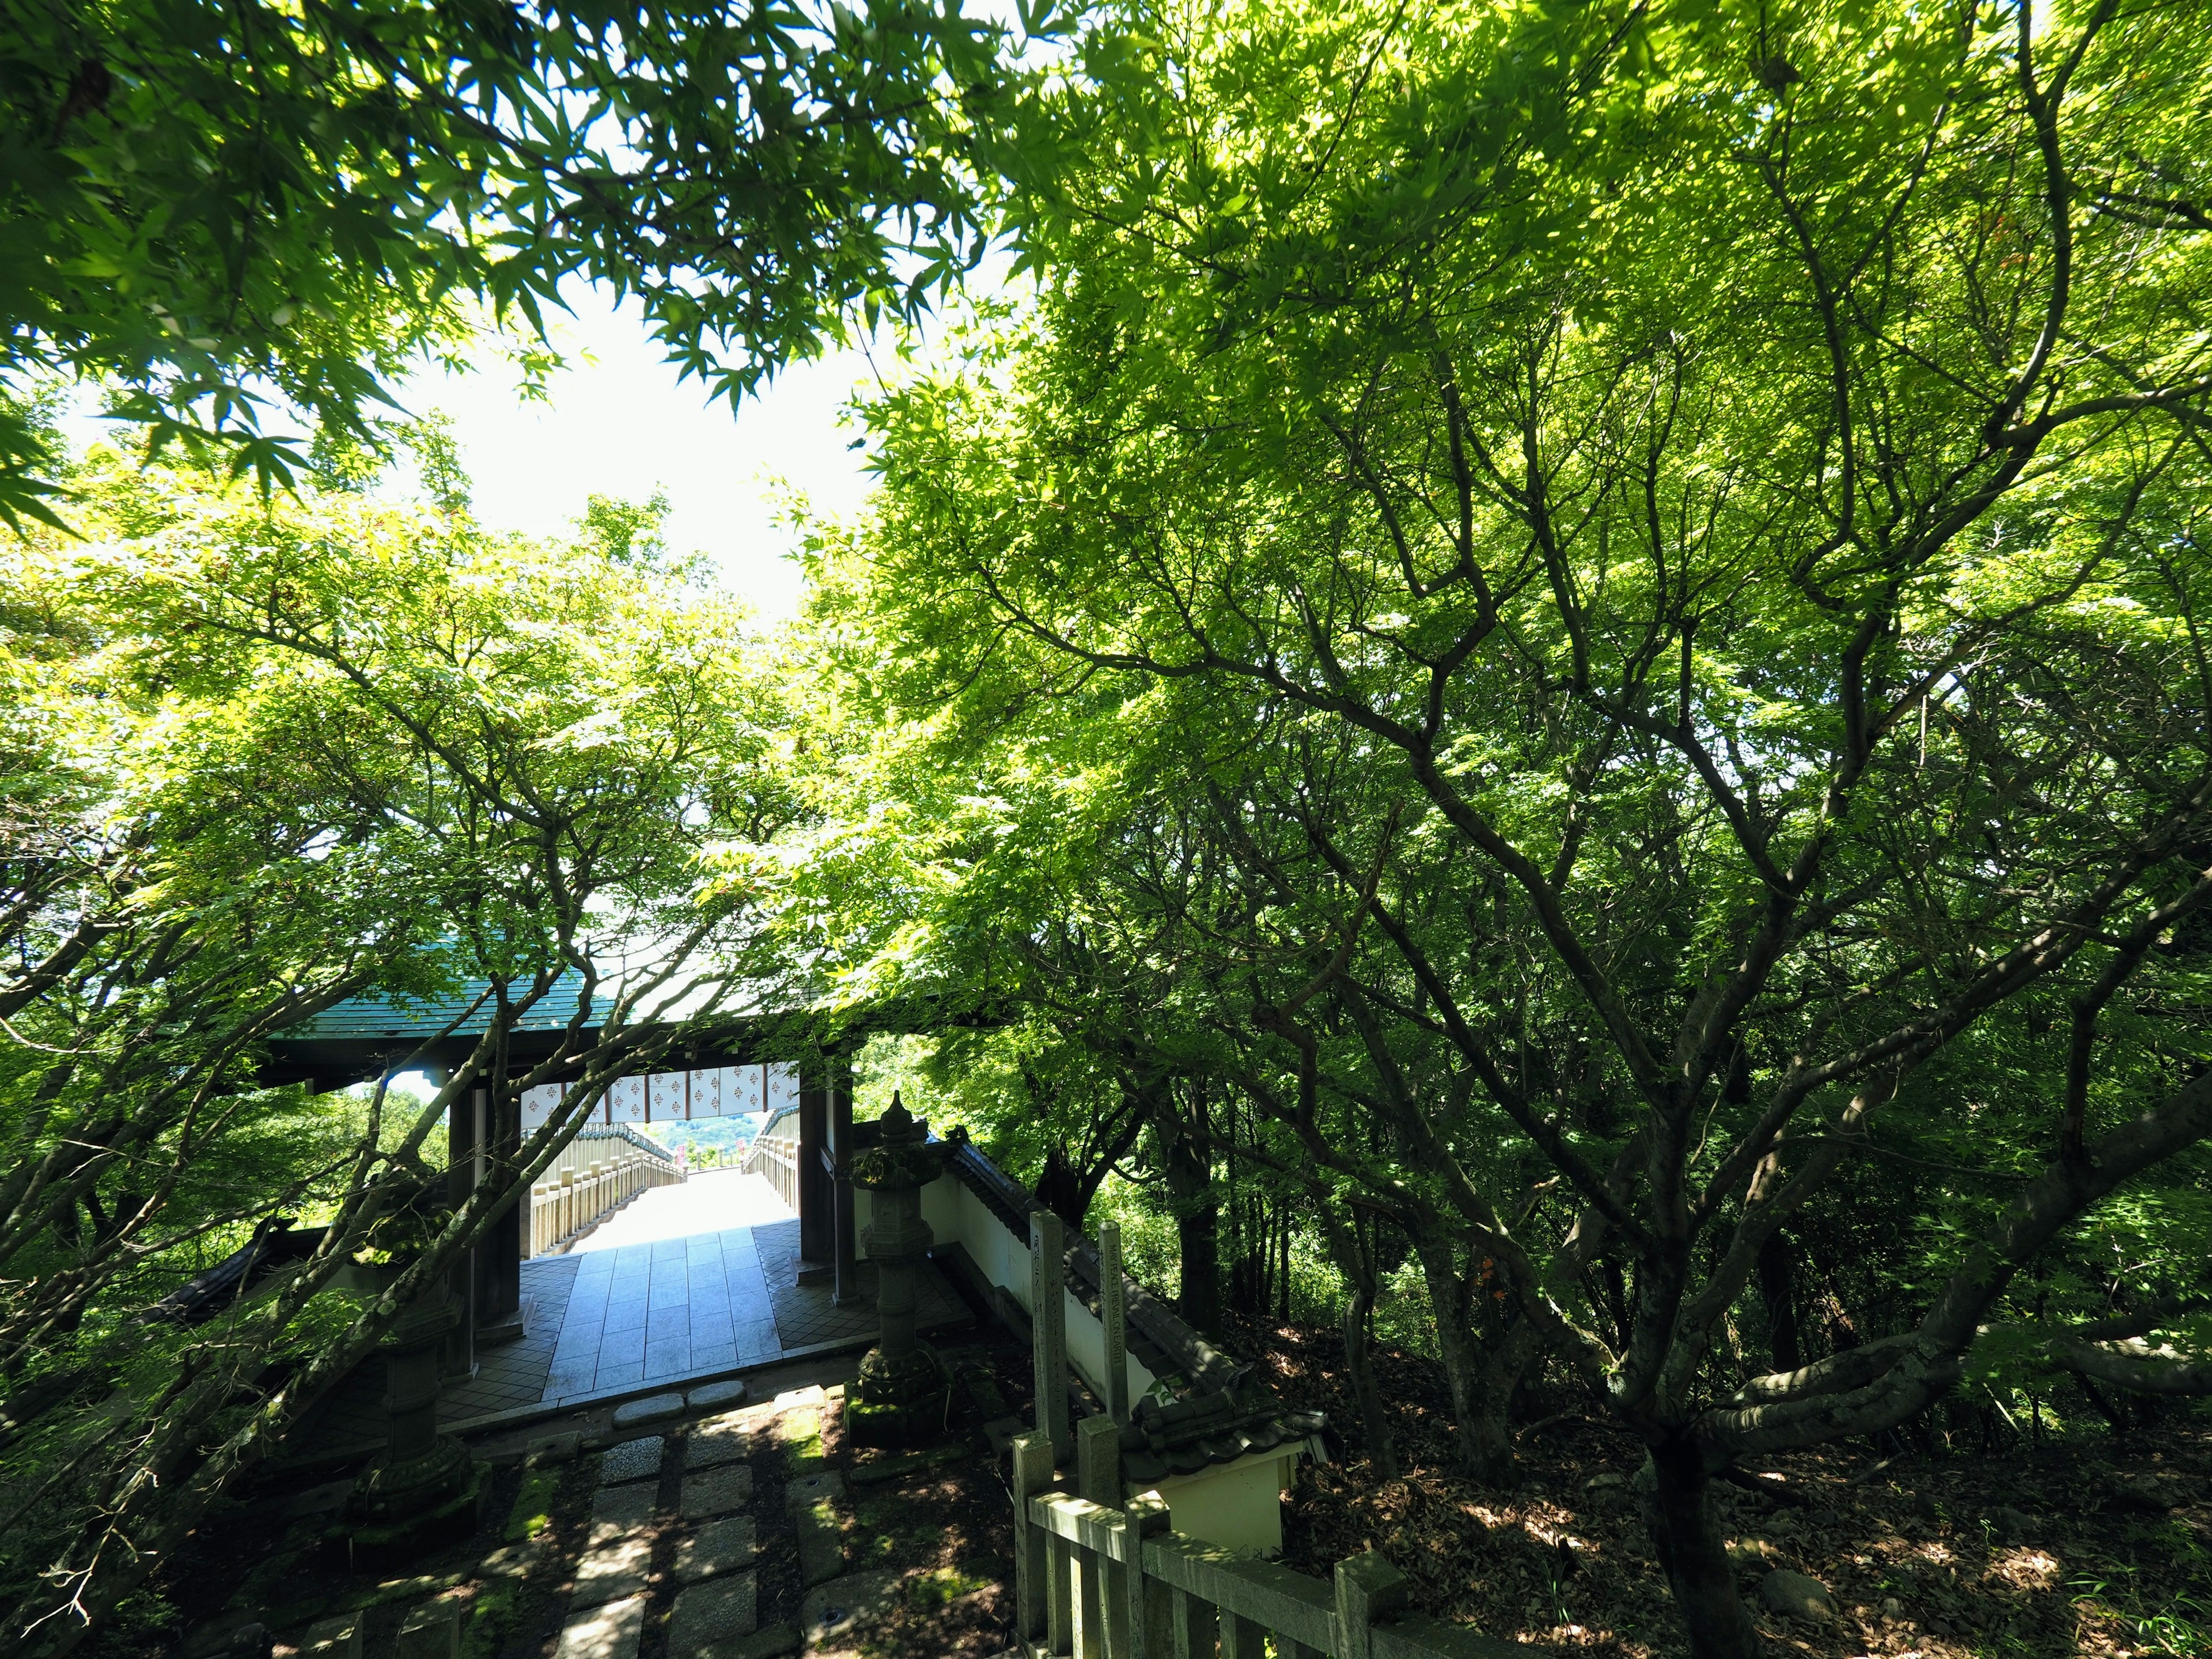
(1595, 615)
(217, 208)
(269, 755)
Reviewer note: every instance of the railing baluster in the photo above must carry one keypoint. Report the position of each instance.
(1140, 1608)
(1190, 1626)
(1098, 1480)
(1241, 1639)
(1032, 1473)
(1090, 1602)
(1060, 1595)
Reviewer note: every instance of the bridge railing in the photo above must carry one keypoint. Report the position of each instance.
(601, 1169)
(1097, 1582)
(775, 1153)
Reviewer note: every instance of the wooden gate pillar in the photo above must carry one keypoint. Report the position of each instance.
(816, 1195)
(500, 1315)
(848, 1287)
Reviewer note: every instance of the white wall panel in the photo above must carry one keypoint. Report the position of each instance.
(747, 1092)
(706, 1089)
(668, 1099)
(539, 1106)
(626, 1101)
(782, 1085)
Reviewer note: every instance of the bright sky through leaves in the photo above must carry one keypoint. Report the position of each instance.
(618, 422)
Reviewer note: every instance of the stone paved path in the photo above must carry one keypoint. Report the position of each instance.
(697, 1511)
(666, 1288)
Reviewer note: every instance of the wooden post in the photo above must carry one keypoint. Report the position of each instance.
(499, 1277)
(1190, 1626)
(1241, 1639)
(1141, 1610)
(817, 1241)
(1032, 1473)
(1113, 1315)
(1368, 1590)
(1048, 1327)
(846, 1290)
(1098, 1479)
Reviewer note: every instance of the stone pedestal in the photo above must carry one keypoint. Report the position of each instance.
(423, 1490)
(901, 1396)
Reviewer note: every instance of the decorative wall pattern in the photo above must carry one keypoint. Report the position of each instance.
(676, 1096)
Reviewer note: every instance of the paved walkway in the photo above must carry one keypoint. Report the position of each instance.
(681, 1283)
(711, 1201)
(698, 1494)
(662, 1305)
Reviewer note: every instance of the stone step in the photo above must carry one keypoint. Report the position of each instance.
(633, 1460)
(714, 1549)
(611, 1631)
(717, 1490)
(709, 1614)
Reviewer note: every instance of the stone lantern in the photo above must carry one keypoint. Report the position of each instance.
(901, 1396)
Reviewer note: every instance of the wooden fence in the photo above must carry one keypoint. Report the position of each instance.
(1096, 1582)
(600, 1143)
(775, 1153)
(579, 1191)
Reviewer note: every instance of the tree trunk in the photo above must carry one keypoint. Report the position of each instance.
(1347, 1244)
(1686, 1535)
(1481, 1376)
(1189, 1170)
(1359, 1366)
(1777, 1289)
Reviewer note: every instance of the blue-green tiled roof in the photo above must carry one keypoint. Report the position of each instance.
(382, 1014)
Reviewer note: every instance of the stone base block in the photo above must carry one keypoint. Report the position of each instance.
(374, 1545)
(906, 1401)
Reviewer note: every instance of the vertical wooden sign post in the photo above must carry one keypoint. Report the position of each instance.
(1113, 1315)
(1048, 1325)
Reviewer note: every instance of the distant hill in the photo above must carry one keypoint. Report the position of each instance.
(726, 1138)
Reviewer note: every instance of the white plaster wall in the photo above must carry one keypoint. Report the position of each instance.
(955, 1212)
(1237, 1506)
(995, 1252)
(940, 1208)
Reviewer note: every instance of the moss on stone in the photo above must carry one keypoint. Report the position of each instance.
(532, 1511)
(495, 1617)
